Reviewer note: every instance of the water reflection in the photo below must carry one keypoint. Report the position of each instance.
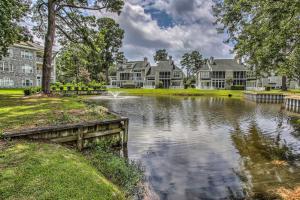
(210, 148)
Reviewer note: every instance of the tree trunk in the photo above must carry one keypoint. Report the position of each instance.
(107, 75)
(49, 40)
(284, 85)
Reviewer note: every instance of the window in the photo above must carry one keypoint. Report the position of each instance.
(27, 82)
(27, 69)
(137, 76)
(125, 76)
(204, 75)
(239, 75)
(38, 81)
(218, 74)
(7, 67)
(239, 82)
(6, 82)
(164, 75)
(177, 74)
(218, 83)
(27, 54)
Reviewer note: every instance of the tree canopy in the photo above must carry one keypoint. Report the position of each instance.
(11, 31)
(192, 62)
(160, 55)
(264, 32)
(72, 20)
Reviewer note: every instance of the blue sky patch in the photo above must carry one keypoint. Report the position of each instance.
(163, 19)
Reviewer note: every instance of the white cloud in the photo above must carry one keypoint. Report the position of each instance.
(193, 29)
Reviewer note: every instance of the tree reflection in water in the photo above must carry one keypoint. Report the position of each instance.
(269, 164)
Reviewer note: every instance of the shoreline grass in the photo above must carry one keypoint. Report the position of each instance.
(49, 171)
(196, 92)
(179, 92)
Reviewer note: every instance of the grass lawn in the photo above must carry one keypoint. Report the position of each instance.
(49, 171)
(18, 112)
(181, 92)
(195, 92)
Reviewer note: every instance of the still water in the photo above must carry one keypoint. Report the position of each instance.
(211, 148)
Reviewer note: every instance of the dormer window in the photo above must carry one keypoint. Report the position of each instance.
(177, 74)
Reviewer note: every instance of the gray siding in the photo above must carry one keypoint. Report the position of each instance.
(17, 75)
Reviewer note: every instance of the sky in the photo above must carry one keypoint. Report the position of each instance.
(179, 26)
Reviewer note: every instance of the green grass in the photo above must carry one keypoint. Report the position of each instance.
(18, 112)
(126, 174)
(180, 92)
(48, 171)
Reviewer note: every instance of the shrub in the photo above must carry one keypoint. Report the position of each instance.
(160, 84)
(32, 90)
(238, 87)
(126, 174)
(53, 88)
(97, 85)
(268, 88)
(27, 91)
(61, 88)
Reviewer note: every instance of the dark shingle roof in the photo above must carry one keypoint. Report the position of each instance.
(224, 65)
(132, 65)
(227, 64)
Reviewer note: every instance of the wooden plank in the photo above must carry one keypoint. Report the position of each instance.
(102, 133)
(64, 139)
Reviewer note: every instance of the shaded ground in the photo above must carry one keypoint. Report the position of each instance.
(18, 112)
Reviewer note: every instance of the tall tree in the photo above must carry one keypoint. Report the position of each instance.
(264, 32)
(11, 14)
(71, 18)
(120, 57)
(75, 56)
(192, 62)
(160, 55)
(113, 36)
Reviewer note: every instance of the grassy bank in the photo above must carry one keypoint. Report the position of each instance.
(48, 171)
(17, 111)
(180, 92)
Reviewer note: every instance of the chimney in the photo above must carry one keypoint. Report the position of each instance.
(145, 60)
(170, 59)
(211, 60)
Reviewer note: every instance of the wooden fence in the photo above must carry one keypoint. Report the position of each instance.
(82, 135)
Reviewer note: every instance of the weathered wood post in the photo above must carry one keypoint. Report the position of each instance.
(80, 139)
(126, 131)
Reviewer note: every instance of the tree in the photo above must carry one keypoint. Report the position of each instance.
(192, 62)
(75, 57)
(113, 36)
(72, 19)
(161, 55)
(11, 14)
(264, 32)
(120, 57)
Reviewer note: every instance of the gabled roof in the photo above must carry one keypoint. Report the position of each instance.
(166, 66)
(133, 65)
(224, 65)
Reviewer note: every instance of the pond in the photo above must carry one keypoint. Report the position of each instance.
(211, 148)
